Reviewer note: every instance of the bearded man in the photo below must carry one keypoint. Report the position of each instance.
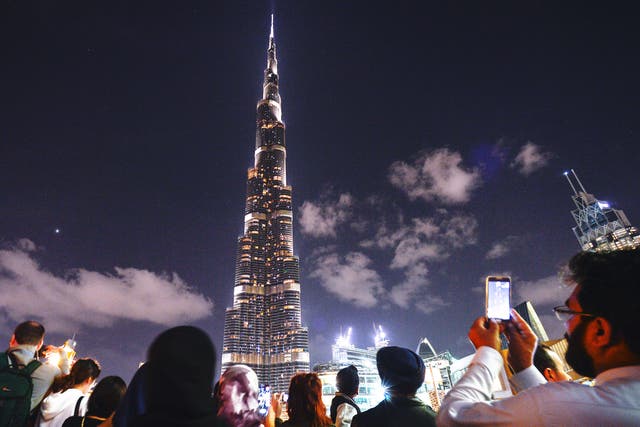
(602, 319)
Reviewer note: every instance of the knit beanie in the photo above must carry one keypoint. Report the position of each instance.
(347, 380)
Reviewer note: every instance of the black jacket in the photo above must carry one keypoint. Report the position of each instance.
(339, 400)
(397, 412)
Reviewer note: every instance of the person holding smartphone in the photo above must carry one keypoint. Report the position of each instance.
(601, 317)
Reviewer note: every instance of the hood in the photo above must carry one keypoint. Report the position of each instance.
(24, 353)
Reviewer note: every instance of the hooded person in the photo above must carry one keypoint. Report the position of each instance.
(402, 374)
(174, 386)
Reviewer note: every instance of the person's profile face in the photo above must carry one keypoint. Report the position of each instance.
(573, 304)
(577, 355)
(237, 395)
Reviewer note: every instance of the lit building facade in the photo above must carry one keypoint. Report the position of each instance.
(263, 329)
(437, 381)
(599, 227)
(528, 313)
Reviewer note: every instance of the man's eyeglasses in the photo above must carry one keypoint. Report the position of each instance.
(564, 313)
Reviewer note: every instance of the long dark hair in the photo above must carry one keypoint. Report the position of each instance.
(305, 400)
(106, 396)
(81, 370)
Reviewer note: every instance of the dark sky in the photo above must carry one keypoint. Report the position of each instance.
(426, 144)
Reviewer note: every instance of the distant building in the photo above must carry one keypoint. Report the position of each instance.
(528, 313)
(437, 381)
(263, 328)
(425, 349)
(599, 227)
(344, 353)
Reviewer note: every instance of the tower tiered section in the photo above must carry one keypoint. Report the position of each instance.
(263, 329)
(599, 227)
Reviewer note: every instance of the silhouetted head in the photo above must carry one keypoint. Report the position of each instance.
(347, 380)
(29, 333)
(401, 370)
(179, 373)
(81, 371)
(106, 396)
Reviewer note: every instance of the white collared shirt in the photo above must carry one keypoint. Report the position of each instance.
(614, 400)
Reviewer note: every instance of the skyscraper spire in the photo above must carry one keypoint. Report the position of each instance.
(263, 329)
(271, 33)
(270, 93)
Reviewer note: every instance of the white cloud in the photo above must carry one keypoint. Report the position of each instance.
(415, 279)
(435, 176)
(548, 291)
(431, 239)
(530, 158)
(413, 246)
(413, 291)
(498, 250)
(413, 249)
(430, 303)
(501, 248)
(459, 230)
(385, 237)
(27, 245)
(350, 279)
(322, 218)
(90, 298)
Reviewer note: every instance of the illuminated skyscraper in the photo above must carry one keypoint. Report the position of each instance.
(599, 227)
(528, 313)
(264, 329)
(425, 349)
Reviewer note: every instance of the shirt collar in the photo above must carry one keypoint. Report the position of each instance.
(25, 348)
(632, 372)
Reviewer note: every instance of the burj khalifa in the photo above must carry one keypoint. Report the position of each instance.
(263, 329)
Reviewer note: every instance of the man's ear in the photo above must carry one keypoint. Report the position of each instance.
(602, 332)
(549, 375)
(12, 341)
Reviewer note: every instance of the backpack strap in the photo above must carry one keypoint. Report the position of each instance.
(32, 366)
(4, 360)
(76, 412)
(9, 359)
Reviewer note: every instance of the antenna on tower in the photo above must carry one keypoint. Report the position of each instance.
(566, 175)
(575, 176)
(271, 33)
(578, 179)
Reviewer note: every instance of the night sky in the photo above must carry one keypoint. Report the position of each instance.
(426, 143)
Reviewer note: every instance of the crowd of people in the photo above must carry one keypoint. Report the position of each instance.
(175, 387)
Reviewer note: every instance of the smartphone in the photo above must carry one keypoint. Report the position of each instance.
(264, 399)
(498, 297)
